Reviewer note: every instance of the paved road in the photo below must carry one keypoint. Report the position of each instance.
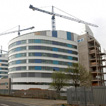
(7, 103)
(15, 101)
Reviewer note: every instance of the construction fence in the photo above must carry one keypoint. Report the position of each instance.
(81, 96)
(35, 93)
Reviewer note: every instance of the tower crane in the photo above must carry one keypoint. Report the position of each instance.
(14, 32)
(17, 30)
(55, 14)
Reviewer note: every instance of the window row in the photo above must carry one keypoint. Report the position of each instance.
(31, 74)
(3, 68)
(6, 83)
(3, 64)
(17, 62)
(17, 43)
(54, 56)
(44, 55)
(52, 49)
(3, 72)
(30, 83)
(35, 83)
(3, 60)
(43, 48)
(2, 76)
(49, 62)
(18, 49)
(17, 55)
(36, 68)
(40, 61)
(51, 42)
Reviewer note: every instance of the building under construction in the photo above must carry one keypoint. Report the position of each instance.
(90, 56)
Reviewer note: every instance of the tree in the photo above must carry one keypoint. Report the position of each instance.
(85, 77)
(59, 80)
(79, 75)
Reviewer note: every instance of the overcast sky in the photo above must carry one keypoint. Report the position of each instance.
(17, 12)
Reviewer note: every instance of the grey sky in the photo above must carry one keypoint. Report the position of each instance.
(17, 12)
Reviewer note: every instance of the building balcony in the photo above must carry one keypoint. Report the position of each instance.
(101, 53)
(95, 80)
(94, 41)
(92, 51)
(96, 73)
(93, 64)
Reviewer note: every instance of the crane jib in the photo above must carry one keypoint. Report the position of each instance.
(34, 8)
(59, 15)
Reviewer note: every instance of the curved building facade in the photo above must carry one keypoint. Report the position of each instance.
(3, 66)
(34, 56)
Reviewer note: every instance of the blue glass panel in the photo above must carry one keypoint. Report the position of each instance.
(17, 49)
(69, 57)
(37, 47)
(56, 69)
(18, 55)
(55, 62)
(69, 45)
(18, 42)
(55, 55)
(18, 62)
(37, 54)
(37, 61)
(70, 64)
(55, 49)
(70, 51)
(37, 67)
(68, 35)
(37, 41)
(54, 33)
(18, 68)
(54, 42)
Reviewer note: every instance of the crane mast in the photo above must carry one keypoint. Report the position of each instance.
(53, 20)
(59, 15)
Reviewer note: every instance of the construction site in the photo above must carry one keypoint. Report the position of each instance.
(32, 57)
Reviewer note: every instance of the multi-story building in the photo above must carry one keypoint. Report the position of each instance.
(90, 57)
(3, 66)
(34, 56)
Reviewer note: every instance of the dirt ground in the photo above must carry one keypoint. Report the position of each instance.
(35, 102)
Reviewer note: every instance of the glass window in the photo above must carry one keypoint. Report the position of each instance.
(31, 74)
(68, 36)
(54, 33)
(69, 57)
(23, 74)
(55, 49)
(37, 41)
(37, 54)
(37, 74)
(70, 51)
(55, 62)
(31, 67)
(37, 67)
(69, 45)
(31, 41)
(56, 68)
(17, 43)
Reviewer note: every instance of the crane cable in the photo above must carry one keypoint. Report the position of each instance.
(67, 13)
(9, 29)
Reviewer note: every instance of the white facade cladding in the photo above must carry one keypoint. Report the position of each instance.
(3, 66)
(34, 56)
